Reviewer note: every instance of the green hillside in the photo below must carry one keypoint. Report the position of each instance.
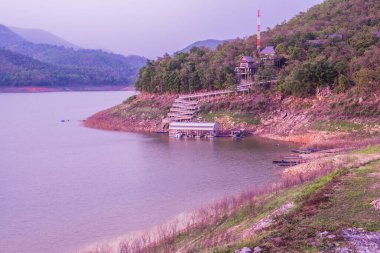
(339, 63)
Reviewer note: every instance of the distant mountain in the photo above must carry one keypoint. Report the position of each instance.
(38, 36)
(19, 70)
(211, 44)
(91, 66)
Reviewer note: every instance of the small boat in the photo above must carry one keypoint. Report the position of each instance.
(237, 133)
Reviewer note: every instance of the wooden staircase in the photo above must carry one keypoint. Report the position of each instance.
(183, 109)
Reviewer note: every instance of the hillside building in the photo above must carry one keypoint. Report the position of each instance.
(268, 53)
(267, 56)
(336, 36)
(246, 69)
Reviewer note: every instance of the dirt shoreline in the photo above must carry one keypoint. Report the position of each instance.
(309, 122)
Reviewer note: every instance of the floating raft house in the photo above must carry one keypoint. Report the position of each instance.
(194, 129)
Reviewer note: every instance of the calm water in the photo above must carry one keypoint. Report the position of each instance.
(63, 186)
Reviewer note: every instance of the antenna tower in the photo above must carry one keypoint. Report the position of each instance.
(258, 30)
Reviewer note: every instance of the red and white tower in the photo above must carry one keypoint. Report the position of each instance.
(258, 30)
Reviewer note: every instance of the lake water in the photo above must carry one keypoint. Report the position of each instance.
(63, 186)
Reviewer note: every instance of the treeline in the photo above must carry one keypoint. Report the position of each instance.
(312, 58)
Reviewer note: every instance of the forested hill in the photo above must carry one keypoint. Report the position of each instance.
(25, 63)
(314, 55)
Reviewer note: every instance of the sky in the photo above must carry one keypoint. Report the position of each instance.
(147, 27)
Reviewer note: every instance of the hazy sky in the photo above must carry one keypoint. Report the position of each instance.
(147, 27)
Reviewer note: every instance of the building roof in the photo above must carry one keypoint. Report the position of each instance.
(193, 126)
(377, 34)
(268, 50)
(246, 58)
(336, 36)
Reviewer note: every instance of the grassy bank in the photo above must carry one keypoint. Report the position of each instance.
(307, 211)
